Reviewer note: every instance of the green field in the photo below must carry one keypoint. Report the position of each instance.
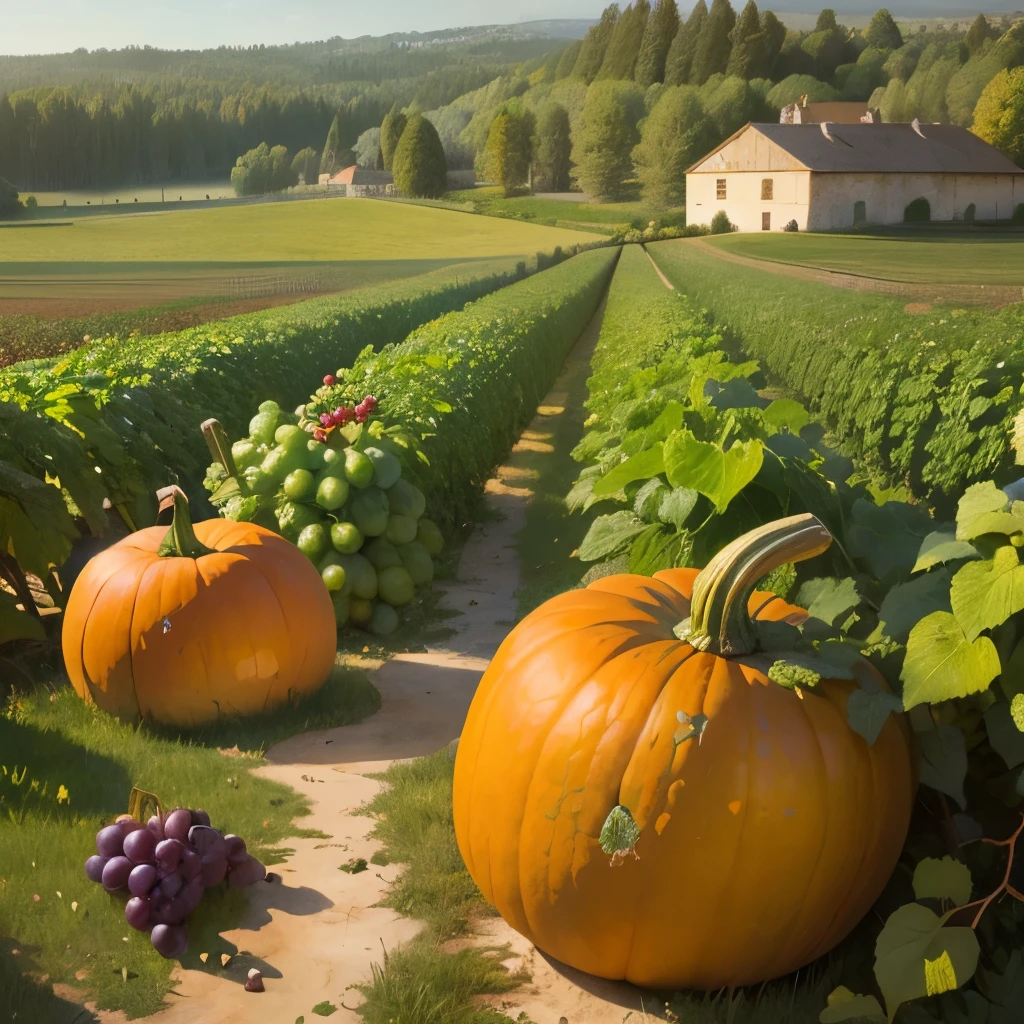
(959, 259)
(490, 201)
(143, 193)
(321, 230)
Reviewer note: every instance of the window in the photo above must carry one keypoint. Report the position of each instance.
(767, 189)
(766, 222)
(720, 189)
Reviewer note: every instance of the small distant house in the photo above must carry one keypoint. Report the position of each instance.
(363, 182)
(838, 112)
(829, 177)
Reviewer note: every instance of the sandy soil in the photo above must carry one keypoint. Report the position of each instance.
(316, 932)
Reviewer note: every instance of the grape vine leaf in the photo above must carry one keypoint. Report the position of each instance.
(941, 663)
(943, 879)
(915, 956)
(834, 599)
(867, 713)
(657, 548)
(718, 475)
(638, 467)
(1004, 734)
(844, 1005)
(993, 522)
(669, 420)
(887, 537)
(985, 594)
(608, 535)
(942, 761)
(978, 500)
(676, 506)
(908, 603)
(941, 546)
(785, 412)
(647, 501)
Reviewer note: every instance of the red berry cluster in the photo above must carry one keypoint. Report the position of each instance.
(344, 414)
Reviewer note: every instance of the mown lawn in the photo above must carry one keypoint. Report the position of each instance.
(948, 259)
(491, 202)
(325, 229)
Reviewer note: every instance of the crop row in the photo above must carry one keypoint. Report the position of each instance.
(684, 455)
(464, 386)
(924, 400)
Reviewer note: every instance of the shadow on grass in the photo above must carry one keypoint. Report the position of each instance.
(27, 1000)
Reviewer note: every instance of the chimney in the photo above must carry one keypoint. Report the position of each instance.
(824, 131)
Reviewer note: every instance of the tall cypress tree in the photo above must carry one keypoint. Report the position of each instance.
(746, 43)
(552, 160)
(418, 160)
(624, 48)
(715, 44)
(826, 21)
(662, 26)
(773, 35)
(679, 61)
(603, 144)
(509, 147)
(883, 33)
(595, 45)
(328, 162)
(391, 130)
(566, 63)
(979, 31)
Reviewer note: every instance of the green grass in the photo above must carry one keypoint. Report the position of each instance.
(973, 259)
(334, 230)
(50, 739)
(606, 216)
(422, 983)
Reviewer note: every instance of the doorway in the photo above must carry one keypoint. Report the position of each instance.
(860, 212)
(766, 222)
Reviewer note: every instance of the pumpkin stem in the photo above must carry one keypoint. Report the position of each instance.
(719, 621)
(181, 540)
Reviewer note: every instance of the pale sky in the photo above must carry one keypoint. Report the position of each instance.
(57, 26)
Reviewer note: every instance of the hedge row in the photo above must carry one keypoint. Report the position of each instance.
(465, 386)
(925, 400)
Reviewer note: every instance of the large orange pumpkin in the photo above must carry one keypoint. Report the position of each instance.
(182, 625)
(763, 839)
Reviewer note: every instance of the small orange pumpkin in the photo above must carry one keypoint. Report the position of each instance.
(182, 625)
(766, 826)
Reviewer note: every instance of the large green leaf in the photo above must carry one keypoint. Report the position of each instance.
(676, 506)
(609, 535)
(941, 663)
(669, 420)
(887, 537)
(942, 761)
(985, 594)
(867, 713)
(942, 546)
(718, 475)
(1003, 733)
(1017, 711)
(833, 599)
(943, 879)
(786, 413)
(977, 501)
(915, 956)
(639, 467)
(15, 624)
(908, 603)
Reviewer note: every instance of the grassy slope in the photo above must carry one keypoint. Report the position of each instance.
(52, 739)
(490, 201)
(334, 229)
(965, 259)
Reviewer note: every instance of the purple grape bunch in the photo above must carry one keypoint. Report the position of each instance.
(164, 867)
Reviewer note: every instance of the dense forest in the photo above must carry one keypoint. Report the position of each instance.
(119, 117)
(644, 93)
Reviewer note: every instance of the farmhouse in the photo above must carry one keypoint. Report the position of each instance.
(361, 181)
(835, 112)
(828, 177)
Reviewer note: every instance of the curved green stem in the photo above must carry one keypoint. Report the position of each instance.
(719, 621)
(181, 540)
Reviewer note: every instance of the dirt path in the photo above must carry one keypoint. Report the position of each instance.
(315, 933)
(986, 295)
